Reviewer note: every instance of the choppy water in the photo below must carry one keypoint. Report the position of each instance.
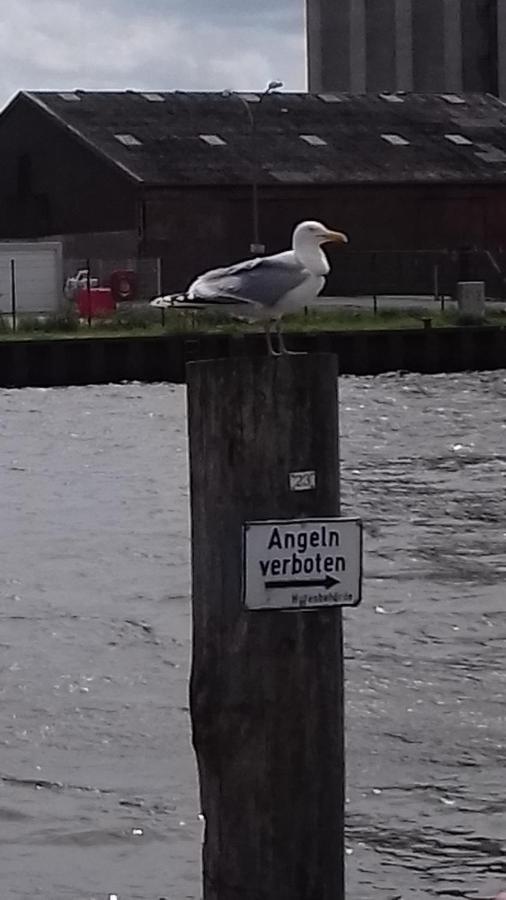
(98, 787)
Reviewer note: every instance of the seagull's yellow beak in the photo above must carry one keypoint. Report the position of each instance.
(336, 237)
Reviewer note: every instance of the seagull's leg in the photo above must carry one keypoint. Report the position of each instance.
(268, 335)
(281, 341)
(283, 349)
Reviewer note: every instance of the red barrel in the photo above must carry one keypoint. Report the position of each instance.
(95, 302)
(123, 284)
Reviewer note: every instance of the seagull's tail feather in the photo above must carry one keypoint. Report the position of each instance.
(174, 301)
(184, 301)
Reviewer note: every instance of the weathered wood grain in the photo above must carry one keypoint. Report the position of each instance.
(266, 691)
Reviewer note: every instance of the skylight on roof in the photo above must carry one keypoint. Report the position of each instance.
(395, 139)
(460, 139)
(491, 154)
(330, 98)
(129, 140)
(392, 98)
(250, 98)
(213, 140)
(153, 97)
(69, 95)
(453, 98)
(314, 139)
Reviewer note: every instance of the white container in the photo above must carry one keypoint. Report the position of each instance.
(38, 275)
(471, 298)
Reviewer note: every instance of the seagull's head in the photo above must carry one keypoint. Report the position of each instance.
(316, 233)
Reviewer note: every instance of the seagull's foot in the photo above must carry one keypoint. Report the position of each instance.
(284, 351)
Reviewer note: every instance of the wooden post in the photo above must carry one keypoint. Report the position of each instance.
(266, 691)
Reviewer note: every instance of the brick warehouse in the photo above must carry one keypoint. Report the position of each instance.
(170, 174)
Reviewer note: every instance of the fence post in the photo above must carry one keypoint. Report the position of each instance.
(88, 291)
(375, 288)
(159, 286)
(13, 295)
(266, 689)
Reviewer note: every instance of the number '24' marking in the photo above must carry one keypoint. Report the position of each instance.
(302, 481)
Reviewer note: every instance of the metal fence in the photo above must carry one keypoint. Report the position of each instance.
(416, 273)
(148, 272)
(32, 288)
(93, 288)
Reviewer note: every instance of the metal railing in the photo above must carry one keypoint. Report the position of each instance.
(32, 296)
(375, 275)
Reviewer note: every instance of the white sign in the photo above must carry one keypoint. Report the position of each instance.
(302, 563)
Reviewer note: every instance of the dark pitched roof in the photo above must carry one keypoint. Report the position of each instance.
(166, 146)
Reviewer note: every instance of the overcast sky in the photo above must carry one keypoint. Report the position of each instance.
(150, 44)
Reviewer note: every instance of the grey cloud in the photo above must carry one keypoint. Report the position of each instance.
(119, 44)
(260, 13)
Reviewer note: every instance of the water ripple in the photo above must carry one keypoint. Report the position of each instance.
(98, 792)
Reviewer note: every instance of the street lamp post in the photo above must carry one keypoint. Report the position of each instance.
(256, 247)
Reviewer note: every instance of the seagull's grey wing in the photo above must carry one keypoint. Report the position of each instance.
(261, 281)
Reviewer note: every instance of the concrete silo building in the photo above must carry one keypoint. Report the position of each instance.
(407, 45)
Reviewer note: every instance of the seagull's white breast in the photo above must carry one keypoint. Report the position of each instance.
(300, 296)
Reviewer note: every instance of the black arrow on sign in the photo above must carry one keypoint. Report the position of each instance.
(326, 583)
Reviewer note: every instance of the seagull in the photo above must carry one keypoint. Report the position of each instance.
(266, 287)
